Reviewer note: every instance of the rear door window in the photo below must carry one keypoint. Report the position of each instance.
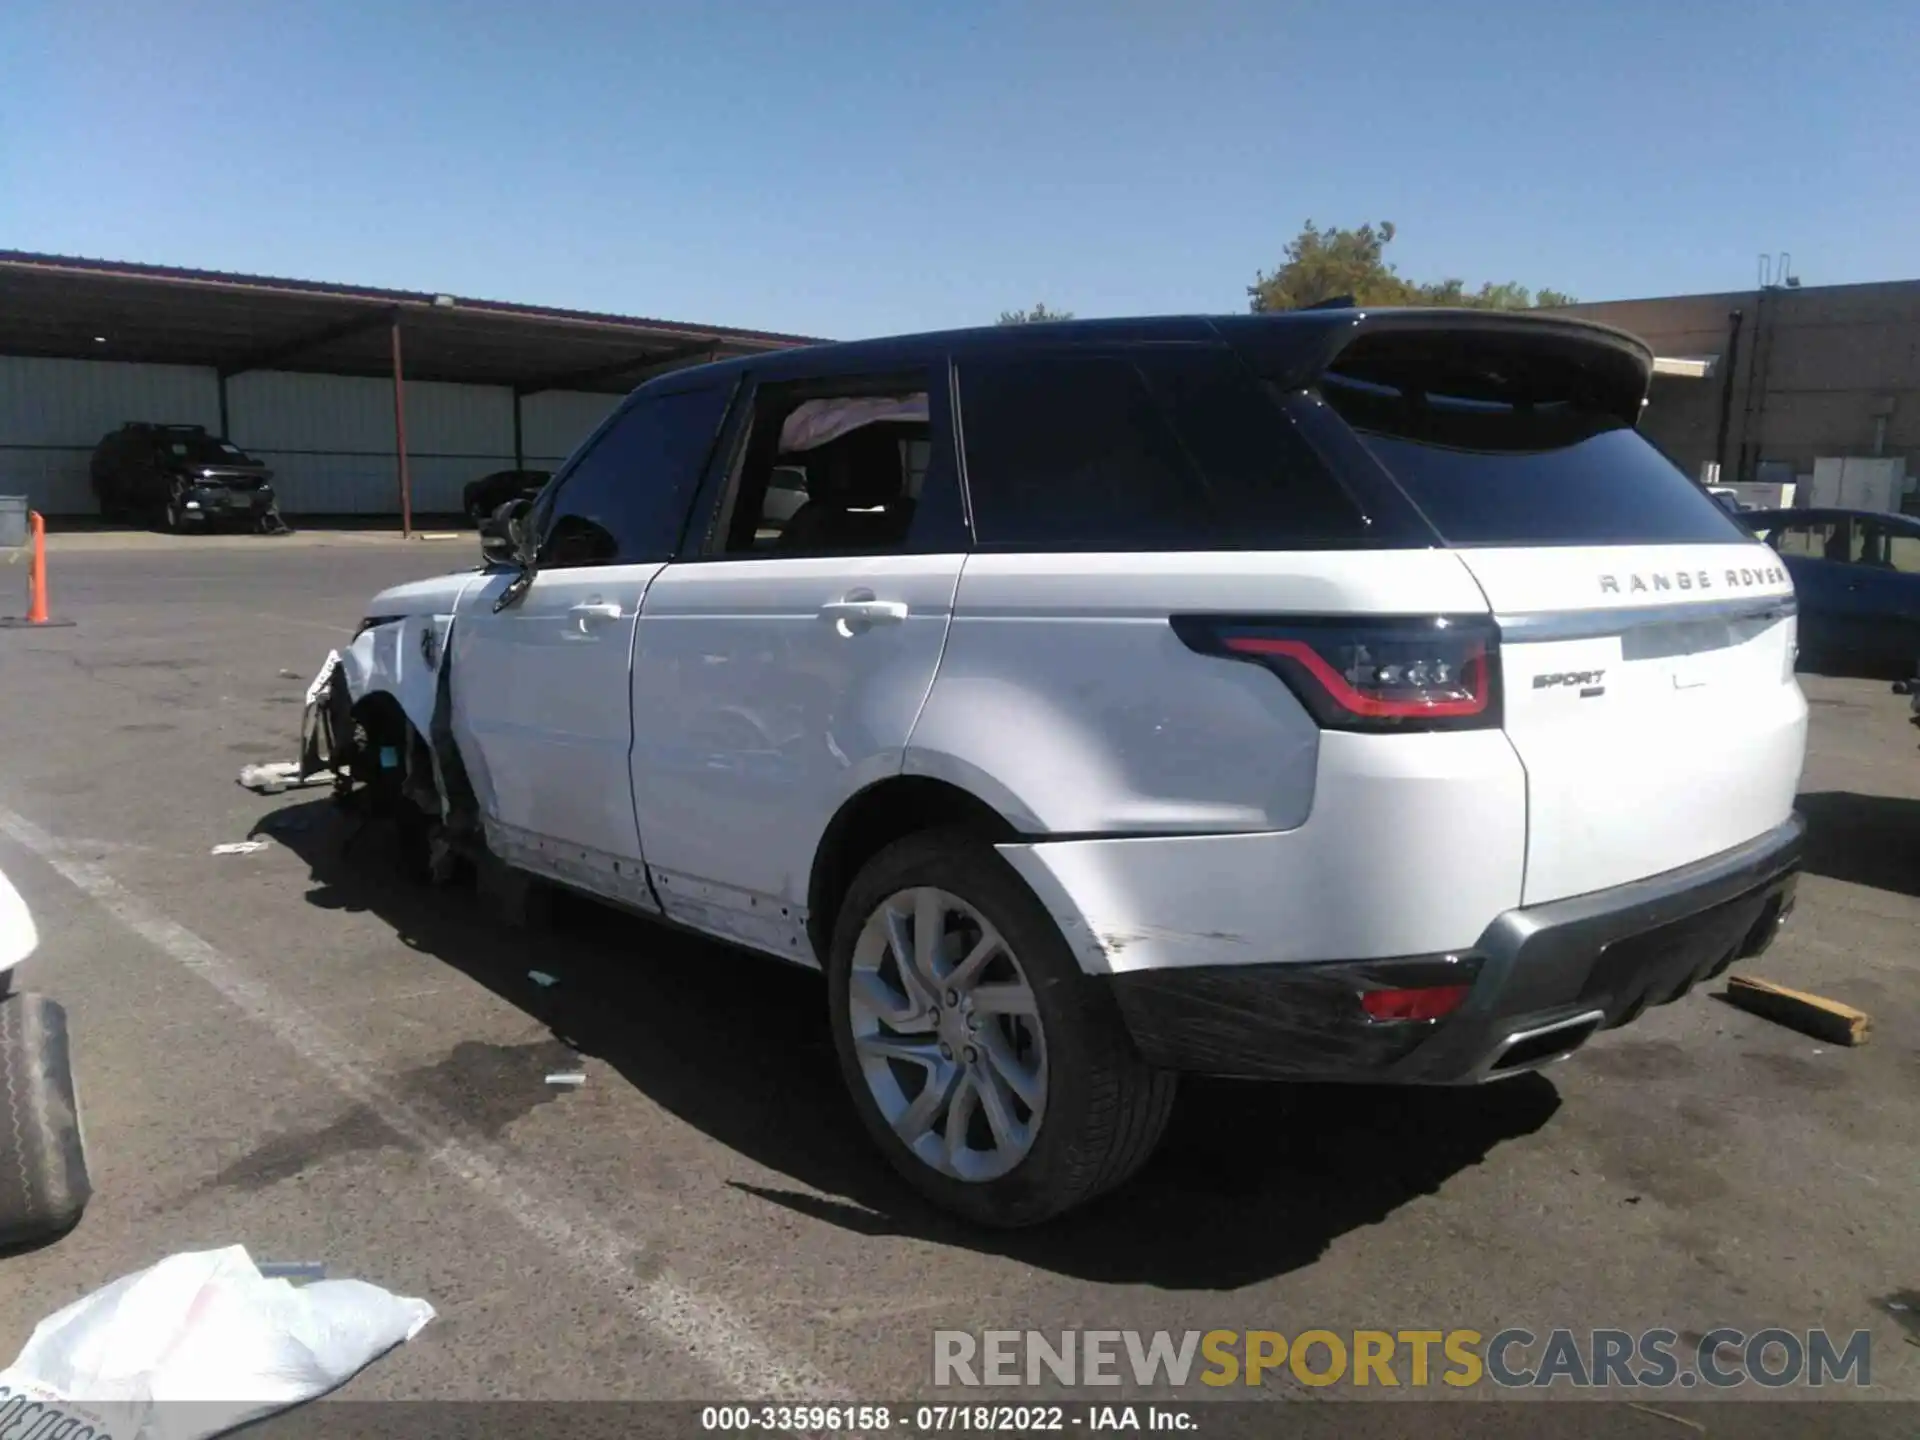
(1155, 448)
(839, 466)
(1517, 444)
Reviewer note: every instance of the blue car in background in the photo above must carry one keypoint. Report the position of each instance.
(1857, 573)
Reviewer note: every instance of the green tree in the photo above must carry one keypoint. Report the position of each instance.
(1324, 264)
(1038, 313)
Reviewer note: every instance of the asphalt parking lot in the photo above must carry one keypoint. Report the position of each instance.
(295, 1050)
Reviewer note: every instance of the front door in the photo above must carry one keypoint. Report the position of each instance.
(542, 714)
(542, 668)
(781, 672)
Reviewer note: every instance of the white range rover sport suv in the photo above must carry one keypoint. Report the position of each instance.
(1334, 695)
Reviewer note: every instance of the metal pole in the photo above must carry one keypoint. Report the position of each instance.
(400, 437)
(519, 448)
(1726, 390)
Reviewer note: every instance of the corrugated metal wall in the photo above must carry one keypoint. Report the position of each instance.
(552, 423)
(53, 412)
(329, 438)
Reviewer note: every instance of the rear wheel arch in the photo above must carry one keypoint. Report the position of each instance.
(1100, 1109)
(875, 818)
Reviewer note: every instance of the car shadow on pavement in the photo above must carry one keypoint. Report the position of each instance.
(1864, 839)
(1251, 1182)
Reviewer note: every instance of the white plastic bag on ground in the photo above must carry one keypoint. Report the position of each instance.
(195, 1345)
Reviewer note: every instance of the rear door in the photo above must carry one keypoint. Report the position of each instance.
(780, 668)
(1647, 640)
(542, 670)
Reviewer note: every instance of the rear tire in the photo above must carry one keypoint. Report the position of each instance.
(44, 1186)
(1052, 1065)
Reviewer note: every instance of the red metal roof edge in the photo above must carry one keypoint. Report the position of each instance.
(230, 280)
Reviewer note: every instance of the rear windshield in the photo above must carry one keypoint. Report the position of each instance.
(1522, 453)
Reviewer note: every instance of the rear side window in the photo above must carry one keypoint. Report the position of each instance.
(1520, 446)
(1151, 449)
(626, 498)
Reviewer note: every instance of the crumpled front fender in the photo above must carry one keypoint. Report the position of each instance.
(401, 658)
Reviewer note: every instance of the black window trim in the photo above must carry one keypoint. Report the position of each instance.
(941, 529)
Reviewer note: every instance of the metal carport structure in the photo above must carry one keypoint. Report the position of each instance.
(62, 307)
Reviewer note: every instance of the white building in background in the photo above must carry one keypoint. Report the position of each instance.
(303, 376)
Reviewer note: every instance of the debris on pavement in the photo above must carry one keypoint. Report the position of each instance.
(542, 979)
(239, 847)
(1813, 1015)
(280, 775)
(205, 1327)
(293, 1270)
(570, 1078)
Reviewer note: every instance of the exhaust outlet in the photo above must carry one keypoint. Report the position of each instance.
(1529, 1049)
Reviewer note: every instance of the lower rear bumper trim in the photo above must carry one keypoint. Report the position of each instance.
(1562, 970)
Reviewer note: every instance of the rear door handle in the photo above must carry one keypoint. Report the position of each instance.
(586, 614)
(860, 612)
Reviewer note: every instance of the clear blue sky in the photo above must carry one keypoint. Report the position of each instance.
(850, 169)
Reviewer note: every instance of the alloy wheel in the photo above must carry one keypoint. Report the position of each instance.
(948, 1034)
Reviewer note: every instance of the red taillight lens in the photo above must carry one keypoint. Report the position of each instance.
(1429, 1002)
(1399, 674)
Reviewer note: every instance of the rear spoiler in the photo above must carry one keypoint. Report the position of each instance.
(1612, 369)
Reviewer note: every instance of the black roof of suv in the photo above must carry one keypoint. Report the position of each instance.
(1294, 346)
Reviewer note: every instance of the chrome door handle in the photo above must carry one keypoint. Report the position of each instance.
(585, 615)
(860, 612)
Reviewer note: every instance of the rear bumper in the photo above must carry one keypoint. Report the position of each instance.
(1542, 978)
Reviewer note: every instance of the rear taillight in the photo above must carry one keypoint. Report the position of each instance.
(1437, 673)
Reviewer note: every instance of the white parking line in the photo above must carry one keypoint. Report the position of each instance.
(718, 1339)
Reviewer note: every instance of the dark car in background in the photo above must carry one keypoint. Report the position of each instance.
(1857, 574)
(487, 494)
(179, 477)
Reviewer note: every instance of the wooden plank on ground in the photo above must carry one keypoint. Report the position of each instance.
(1813, 1015)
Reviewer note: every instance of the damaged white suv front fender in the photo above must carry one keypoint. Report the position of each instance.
(401, 642)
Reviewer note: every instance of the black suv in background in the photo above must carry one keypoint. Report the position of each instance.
(181, 478)
(487, 494)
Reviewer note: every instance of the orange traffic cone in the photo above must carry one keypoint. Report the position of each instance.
(36, 579)
(37, 575)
